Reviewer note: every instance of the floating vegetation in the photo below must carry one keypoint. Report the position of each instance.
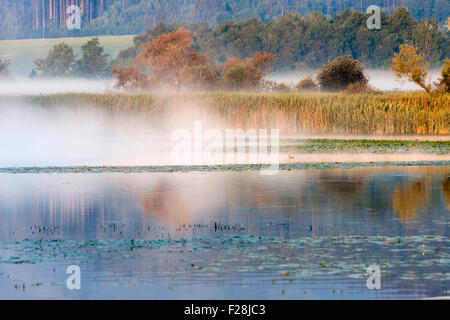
(219, 168)
(364, 146)
(307, 256)
(301, 231)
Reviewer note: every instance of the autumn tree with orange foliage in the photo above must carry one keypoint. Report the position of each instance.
(244, 75)
(169, 61)
(130, 78)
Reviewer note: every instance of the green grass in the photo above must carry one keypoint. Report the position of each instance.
(22, 53)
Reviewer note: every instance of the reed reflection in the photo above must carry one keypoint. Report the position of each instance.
(411, 197)
(445, 190)
(121, 205)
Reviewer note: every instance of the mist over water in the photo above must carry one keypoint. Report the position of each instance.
(35, 136)
(379, 79)
(55, 85)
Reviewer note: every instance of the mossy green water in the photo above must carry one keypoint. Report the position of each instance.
(364, 146)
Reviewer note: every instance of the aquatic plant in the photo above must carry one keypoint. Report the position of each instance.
(291, 113)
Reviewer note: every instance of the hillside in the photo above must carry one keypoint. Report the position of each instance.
(21, 19)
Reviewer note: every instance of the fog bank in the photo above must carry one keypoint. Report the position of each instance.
(379, 79)
(55, 85)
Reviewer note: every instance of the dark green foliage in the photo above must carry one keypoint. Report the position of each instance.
(239, 77)
(94, 63)
(308, 35)
(340, 73)
(59, 62)
(108, 17)
(309, 42)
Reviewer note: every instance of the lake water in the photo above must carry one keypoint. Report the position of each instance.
(298, 234)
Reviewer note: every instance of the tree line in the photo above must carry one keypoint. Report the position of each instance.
(171, 62)
(175, 57)
(46, 18)
(309, 42)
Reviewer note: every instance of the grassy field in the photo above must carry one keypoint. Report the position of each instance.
(320, 113)
(22, 53)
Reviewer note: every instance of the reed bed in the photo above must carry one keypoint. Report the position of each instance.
(292, 113)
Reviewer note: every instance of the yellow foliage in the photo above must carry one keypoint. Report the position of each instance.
(409, 65)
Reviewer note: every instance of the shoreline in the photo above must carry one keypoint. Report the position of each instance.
(219, 168)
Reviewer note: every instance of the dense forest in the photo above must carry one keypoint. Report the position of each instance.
(308, 42)
(47, 18)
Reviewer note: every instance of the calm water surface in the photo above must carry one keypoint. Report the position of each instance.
(234, 235)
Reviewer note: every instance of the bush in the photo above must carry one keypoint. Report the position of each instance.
(239, 77)
(204, 77)
(246, 74)
(340, 73)
(281, 88)
(269, 86)
(359, 87)
(307, 85)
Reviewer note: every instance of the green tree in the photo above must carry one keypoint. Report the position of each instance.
(427, 38)
(94, 63)
(340, 73)
(134, 16)
(401, 24)
(59, 62)
(307, 42)
(239, 77)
